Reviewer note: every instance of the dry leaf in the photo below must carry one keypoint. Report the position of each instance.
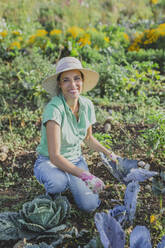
(3, 156)
(20, 244)
(107, 127)
(4, 149)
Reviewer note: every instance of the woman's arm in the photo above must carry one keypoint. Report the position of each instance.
(95, 145)
(53, 131)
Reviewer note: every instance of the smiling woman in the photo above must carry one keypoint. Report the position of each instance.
(71, 84)
(67, 122)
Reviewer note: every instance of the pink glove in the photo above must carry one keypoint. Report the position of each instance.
(113, 157)
(94, 183)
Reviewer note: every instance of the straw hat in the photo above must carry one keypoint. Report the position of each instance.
(91, 77)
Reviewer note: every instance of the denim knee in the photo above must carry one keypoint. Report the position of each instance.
(54, 185)
(53, 179)
(89, 205)
(85, 199)
(57, 181)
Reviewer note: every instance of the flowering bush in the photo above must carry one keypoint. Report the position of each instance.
(150, 38)
(72, 39)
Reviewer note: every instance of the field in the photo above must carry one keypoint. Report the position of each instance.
(127, 48)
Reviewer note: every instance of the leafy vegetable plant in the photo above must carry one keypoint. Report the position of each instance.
(125, 213)
(112, 234)
(40, 217)
(126, 170)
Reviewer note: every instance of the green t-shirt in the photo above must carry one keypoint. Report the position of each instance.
(73, 132)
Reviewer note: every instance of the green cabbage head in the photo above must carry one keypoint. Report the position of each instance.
(41, 216)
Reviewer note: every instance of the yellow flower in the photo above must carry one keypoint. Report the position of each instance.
(20, 38)
(126, 37)
(85, 40)
(55, 32)
(154, 1)
(106, 39)
(75, 31)
(134, 47)
(41, 33)
(146, 42)
(3, 33)
(15, 44)
(137, 40)
(151, 36)
(152, 219)
(162, 26)
(32, 39)
(16, 32)
(161, 29)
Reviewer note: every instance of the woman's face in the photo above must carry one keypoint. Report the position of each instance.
(71, 84)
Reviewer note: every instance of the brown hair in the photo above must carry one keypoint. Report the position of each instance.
(59, 76)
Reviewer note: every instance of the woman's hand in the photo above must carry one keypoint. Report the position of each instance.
(112, 156)
(94, 183)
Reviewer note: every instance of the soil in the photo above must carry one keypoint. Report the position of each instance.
(24, 190)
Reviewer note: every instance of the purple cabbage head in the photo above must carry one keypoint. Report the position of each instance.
(127, 170)
(111, 232)
(140, 238)
(125, 213)
(120, 170)
(119, 212)
(162, 243)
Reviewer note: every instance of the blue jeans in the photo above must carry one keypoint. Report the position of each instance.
(57, 181)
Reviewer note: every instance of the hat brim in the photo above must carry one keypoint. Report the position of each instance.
(91, 78)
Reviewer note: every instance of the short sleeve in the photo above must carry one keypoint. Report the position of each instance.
(91, 113)
(52, 113)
